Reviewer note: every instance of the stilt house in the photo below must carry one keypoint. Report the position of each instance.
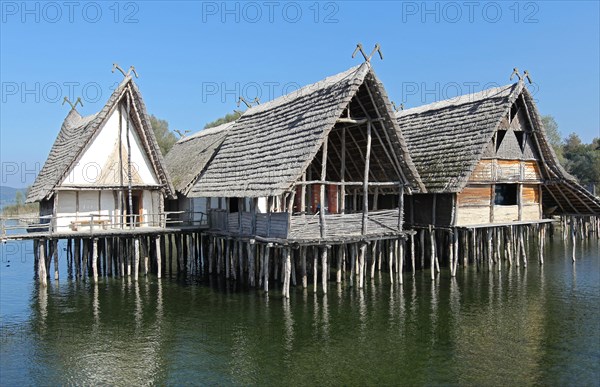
(485, 159)
(186, 161)
(328, 160)
(104, 170)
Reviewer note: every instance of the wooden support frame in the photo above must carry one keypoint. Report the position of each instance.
(366, 182)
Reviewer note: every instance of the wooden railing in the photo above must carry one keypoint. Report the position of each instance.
(94, 222)
(304, 226)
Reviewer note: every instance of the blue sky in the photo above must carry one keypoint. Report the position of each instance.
(195, 58)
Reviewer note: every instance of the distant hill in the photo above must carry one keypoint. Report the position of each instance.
(7, 195)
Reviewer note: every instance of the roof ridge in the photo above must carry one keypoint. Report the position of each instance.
(332, 79)
(493, 92)
(206, 132)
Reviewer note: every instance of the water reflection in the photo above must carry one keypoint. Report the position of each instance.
(534, 326)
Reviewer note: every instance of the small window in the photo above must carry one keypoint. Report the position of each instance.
(499, 138)
(233, 205)
(506, 195)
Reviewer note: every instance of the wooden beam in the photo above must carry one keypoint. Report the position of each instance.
(342, 199)
(358, 121)
(322, 193)
(385, 132)
(366, 181)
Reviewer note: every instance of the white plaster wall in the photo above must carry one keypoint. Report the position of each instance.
(65, 210)
(107, 207)
(95, 159)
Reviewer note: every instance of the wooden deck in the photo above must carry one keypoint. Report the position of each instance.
(100, 233)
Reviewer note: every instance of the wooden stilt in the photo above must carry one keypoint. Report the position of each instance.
(55, 255)
(361, 264)
(422, 246)
(351, 253)
(303, 267)
(158, 256)
(266, 258)
(400, 245)
(573, 239)
(432, 251)
(391, 261)
(42, 276)
(315, 268)
(95, 259)
(508, 243)
(340, 257)
(287, 272)
(373, 258)
(541, 238)
(412, 253)
(293, 266)
(324, 266)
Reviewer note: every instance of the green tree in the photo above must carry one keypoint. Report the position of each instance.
(19, 200)
(582, 160)
(164, 136)
(553, 134)
(227, 118)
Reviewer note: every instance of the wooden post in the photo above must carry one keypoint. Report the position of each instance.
(541, 243)
(55, 255)
(340, 257)
(522, 246)
(227, 259)
(266, 264)
(351, 252)
(303, 267)
(400, 245)
(573, 237)
(366, 187)
(315, 267)
(158, 256)
(342, 199)
(412, 252)
(391, 261)
(42, 276)
(287, 271)
(508, 244)
(422, 246)
(136, 258)
(324, 267)
(322, 188)
(455, 250)
(251, 265)
(361, 261)
(373, 258)
(432, 252)
(489, 232)
(95, 259)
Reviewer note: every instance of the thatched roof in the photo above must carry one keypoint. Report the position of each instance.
(269, 147)
(447, 139)
(189, 157)
(78, 132)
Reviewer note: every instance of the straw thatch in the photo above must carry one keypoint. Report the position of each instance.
(189, 157)
(78, 132)
(447, 140)
(272, 144)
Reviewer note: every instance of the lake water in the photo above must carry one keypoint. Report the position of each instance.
(539, 325)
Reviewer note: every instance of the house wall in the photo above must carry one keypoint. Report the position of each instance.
(74, 206)
(99, 163)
